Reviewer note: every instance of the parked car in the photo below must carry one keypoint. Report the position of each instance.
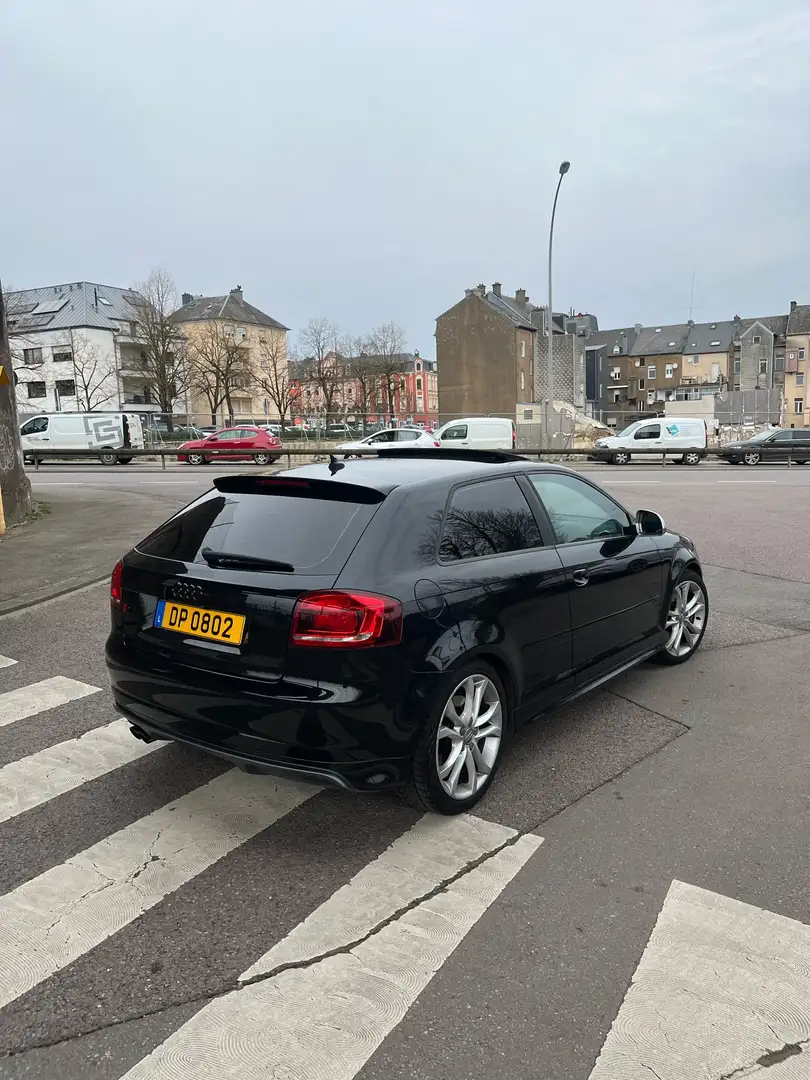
(478, 433)
(108, 433)
(225, 445)
(392, 622)
(683, 438)
(779, 444)
(393, 437)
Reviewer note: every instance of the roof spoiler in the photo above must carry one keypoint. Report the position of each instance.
(492, 457)
(298, 487)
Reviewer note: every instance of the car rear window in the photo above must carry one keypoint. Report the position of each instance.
(312, 534)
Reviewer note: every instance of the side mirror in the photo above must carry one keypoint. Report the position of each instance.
(648, 523)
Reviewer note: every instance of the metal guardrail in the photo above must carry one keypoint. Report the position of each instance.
(290, 452)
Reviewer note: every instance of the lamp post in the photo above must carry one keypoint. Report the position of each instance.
(564, 167)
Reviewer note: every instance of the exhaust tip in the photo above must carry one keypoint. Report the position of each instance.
(139, 733)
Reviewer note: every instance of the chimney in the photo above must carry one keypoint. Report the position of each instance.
(237, 293)
(637, 327)
(521, 297)
(496, 287)
(186, 298)
(482, 289)
(792, 306)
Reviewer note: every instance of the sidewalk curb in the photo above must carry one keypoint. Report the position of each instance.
(26, 605)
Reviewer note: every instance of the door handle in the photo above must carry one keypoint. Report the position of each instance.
(580, 577)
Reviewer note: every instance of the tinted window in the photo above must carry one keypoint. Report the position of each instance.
(487, 519)
(577, 510)
(383, 436)
(782, 437)
(651, 432)
(459, 431)
(33, 427)
(301, 531)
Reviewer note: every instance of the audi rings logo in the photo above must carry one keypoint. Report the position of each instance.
(184, 591)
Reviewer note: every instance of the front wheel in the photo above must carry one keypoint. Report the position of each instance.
(195, 459)
(459, 747)
(687, 617)
(125, 460)
(620, 458)
(751, 458)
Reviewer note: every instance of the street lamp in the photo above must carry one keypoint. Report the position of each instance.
(564, 167)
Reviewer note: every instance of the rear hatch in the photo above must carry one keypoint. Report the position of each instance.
(215, 586)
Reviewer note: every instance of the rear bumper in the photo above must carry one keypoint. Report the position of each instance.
(349, 745)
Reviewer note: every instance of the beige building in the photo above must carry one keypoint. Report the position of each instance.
(231, 344)
(797, 354)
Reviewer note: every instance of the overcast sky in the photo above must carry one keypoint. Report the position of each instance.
(367, 160)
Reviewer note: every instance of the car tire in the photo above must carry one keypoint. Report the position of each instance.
(691, 459)
(751, 457)
(125, 460)
(108, 458)
(427, 789)
(195, 459)
(802, 462)
(689, 589)
(262, 459)
(620, 458)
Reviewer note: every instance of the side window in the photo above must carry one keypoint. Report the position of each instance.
(782, 437)
(406, 435)
(653, 431)
(488, 518)
(383, 437)
(577, 510)
(458, 431)
(35, 426)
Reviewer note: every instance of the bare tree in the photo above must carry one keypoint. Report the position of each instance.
(363, 373)
(322, 365)
(273, 376)
(218, 364)
(15, 488)
(162, 361)
(386, 343)
(91, 373)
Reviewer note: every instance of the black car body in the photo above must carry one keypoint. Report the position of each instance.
(456, 557)
(780, 444)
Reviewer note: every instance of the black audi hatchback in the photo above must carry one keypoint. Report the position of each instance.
(391, 622)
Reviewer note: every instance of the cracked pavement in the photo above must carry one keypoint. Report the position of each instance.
(696, 773)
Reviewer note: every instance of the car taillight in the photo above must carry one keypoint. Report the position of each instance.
(346, 620)
(514, 438)
(437, 444)
(116, 585)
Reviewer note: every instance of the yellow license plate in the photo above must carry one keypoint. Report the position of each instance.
(220, 626)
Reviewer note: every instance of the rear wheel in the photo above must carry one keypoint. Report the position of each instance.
(621, 457)
(262, 459)
(108, 457)
(195, 459)
(687, 618)
(691, 459)
(460, 745)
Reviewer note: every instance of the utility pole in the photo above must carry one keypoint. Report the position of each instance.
(15, 488)
(564, 167)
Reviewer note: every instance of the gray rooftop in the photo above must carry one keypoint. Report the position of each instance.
(661, 340)
(65, 307)
(232, 307)
(710, 337)
(608, 339)
(799, 320)
(777, 324)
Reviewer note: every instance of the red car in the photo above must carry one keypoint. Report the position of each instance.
(212, 447)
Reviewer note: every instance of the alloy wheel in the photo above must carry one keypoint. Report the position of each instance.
(468, 739)
(751, 458)
(686, 619)
(195, 459)
(262, 459)
(691, 459)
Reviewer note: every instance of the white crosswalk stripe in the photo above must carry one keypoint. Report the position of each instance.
(40, 696)
(62, 914)
(6, 661)
(35, 780)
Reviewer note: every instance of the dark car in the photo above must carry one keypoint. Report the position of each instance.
(392, 622)
(779, 444)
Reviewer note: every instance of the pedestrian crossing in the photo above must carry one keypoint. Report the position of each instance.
(311, 973)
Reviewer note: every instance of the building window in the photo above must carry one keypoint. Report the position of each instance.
(32, 357)
(523, 350)
(522, 381)
(801, 354)
(714, 344)
(616, 374)
(669, 371)
(798, 405)
(651, 371)
(617, 396)
(641, 384)
(419, 382)
(61, 355)
(36, 390)
(737, 365)
(800, 378)
(757, 339)
(763, 367)
(66, 388)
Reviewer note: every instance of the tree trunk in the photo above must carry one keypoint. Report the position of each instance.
(15, 488)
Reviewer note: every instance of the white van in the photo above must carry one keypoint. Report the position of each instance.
(83, 431)
(478, 433)
(682, 438)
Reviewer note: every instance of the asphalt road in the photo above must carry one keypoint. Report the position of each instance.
(431, 949)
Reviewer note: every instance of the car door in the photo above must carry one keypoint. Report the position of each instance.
(223, 440)
(801, 444)
(779, 447)
(648, 437)
(506, 589)
(614, 575)
(245, 439)
(35, 434)
(455, 436)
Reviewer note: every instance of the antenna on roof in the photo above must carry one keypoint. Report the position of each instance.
(334, 465)
(692, 293)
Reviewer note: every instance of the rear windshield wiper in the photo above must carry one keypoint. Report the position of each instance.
(244, 562)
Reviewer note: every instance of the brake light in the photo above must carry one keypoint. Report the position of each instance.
(116, 585)
(437, 444)
(514, 438)
(346, 620)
